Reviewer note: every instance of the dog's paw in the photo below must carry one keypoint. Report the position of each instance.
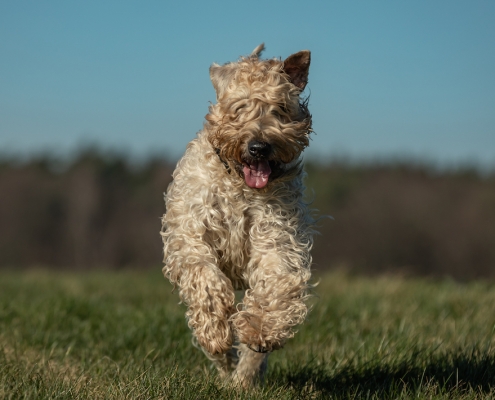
(250, 330)
(263, 346)
(214, 346)
(257, 348)
(215, 338)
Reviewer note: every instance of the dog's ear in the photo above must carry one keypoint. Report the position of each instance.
(221, 76)
(297, 67)
(256, 53)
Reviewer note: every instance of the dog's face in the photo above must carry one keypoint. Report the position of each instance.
(260, 126)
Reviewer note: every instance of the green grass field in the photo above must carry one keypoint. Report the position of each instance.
(122, 335)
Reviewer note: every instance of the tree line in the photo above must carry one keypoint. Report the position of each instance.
(102, 211)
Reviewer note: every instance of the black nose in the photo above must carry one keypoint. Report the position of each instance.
(259, 149)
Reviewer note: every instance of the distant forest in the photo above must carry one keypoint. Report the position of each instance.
(102, 211)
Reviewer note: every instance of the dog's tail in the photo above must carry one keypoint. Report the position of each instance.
(258, 50)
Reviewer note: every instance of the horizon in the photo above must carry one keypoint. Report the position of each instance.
(61, 162)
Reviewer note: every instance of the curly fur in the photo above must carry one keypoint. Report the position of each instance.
(221, 235)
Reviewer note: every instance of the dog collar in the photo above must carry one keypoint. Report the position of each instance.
(222, 160)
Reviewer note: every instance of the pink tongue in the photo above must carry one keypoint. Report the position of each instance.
(256, 174)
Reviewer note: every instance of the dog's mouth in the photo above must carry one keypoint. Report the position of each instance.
(256, 173)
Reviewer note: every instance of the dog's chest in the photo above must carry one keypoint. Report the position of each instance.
(228, 233)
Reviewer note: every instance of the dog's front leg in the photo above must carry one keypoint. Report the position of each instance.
(205, 289)
(275, 302)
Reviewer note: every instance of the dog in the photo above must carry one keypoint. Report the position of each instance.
(236, 218)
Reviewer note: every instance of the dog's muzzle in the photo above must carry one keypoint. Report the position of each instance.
(256, 168)
(259, 149)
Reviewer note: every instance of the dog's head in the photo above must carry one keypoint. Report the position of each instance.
(260, 125)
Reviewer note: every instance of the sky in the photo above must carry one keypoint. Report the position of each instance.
(388, 79)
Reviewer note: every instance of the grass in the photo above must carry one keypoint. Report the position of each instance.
(122, 335)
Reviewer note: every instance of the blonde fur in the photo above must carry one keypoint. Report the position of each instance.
(220, 235)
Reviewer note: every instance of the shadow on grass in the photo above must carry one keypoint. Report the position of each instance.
(449, 373)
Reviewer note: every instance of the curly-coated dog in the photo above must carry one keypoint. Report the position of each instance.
(236, 218)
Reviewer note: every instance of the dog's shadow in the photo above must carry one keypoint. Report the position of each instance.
(450, 372)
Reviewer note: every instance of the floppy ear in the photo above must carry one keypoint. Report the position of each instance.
(297, 67)
(221, 76)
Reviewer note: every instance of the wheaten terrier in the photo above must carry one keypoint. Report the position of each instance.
(236, 218)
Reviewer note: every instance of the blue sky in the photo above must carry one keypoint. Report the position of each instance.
(388, 78)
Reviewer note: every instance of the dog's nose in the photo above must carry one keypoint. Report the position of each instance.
(259, 149)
